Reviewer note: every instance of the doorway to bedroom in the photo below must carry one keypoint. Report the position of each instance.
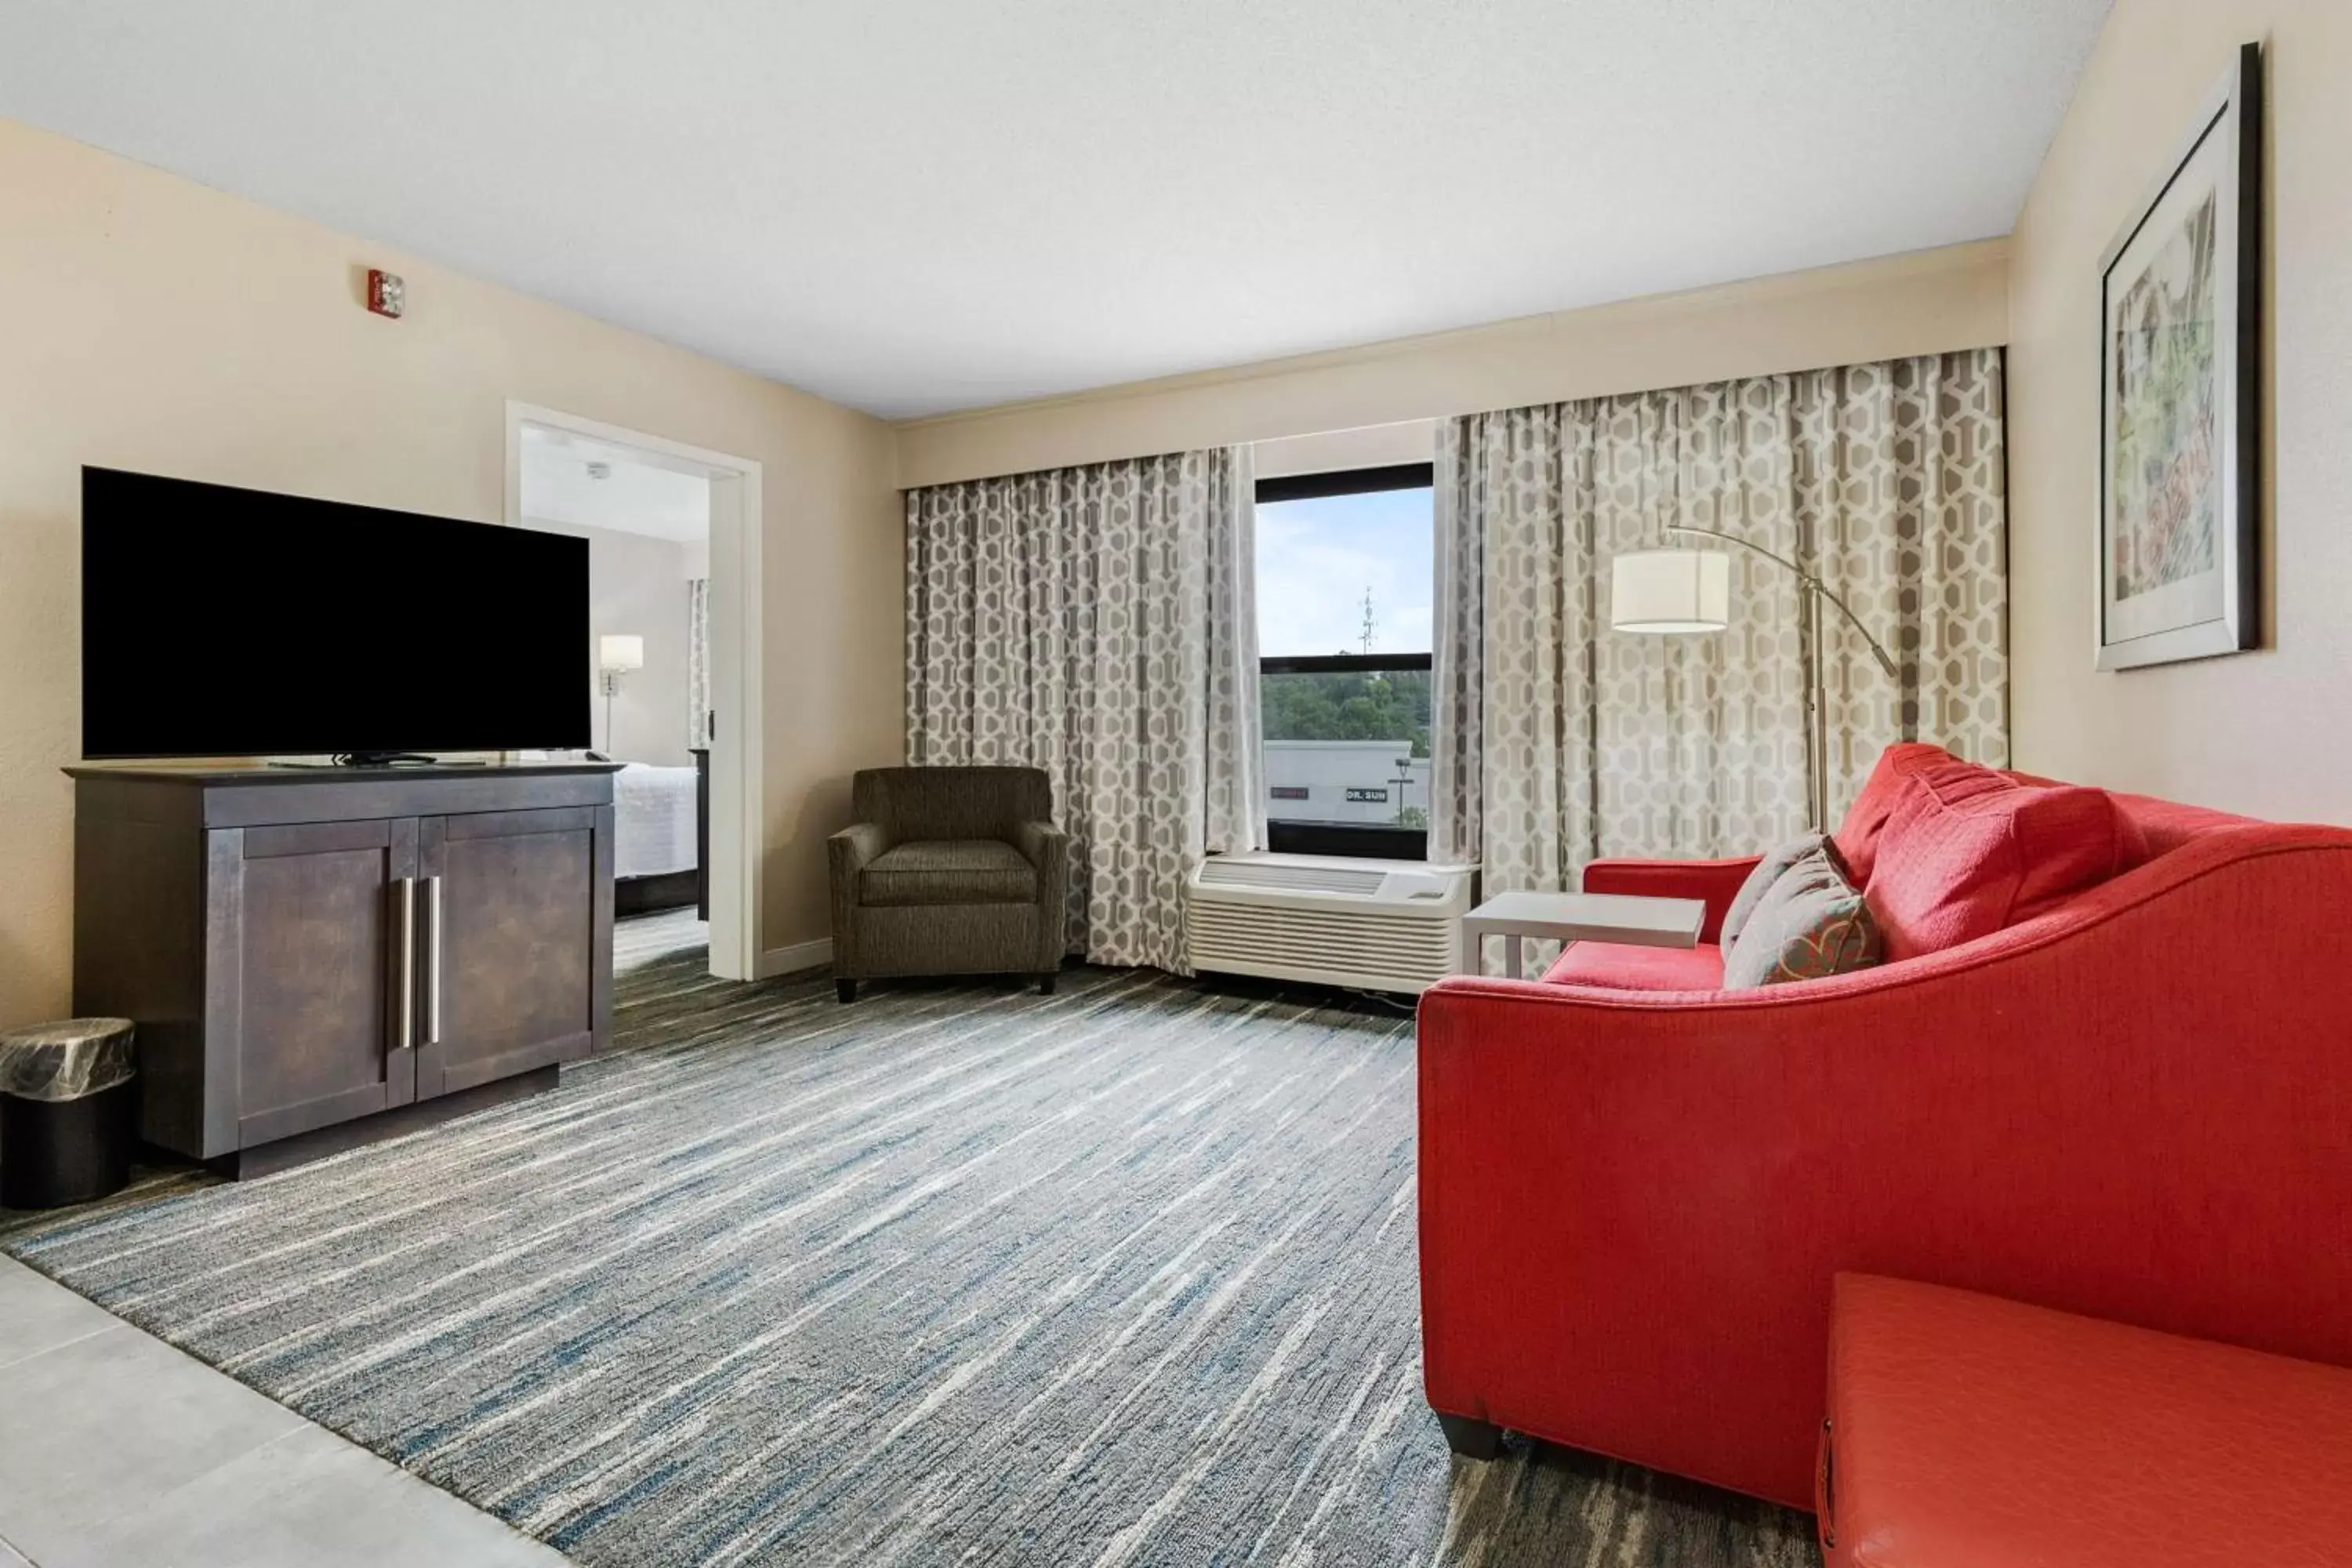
(665, 669)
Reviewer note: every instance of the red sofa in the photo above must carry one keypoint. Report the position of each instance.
(1636, 1189)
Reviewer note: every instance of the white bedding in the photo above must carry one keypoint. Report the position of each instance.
(653, 820)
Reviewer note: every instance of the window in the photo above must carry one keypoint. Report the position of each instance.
(1343, 625)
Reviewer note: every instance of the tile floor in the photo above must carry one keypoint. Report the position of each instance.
(118, 1450)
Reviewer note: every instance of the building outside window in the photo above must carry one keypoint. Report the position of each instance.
(1344, 567)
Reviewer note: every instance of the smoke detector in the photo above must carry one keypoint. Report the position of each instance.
(600, 470)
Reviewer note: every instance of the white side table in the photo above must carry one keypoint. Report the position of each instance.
(1578, 917)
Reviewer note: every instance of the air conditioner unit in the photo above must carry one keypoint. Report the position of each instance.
(1375, 925)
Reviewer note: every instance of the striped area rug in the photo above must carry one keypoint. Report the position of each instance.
(956, 1274)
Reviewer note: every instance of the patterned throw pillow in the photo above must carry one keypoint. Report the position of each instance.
(1768, 871)
(1810, 922)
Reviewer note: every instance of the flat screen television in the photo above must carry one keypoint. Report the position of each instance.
(221, 622)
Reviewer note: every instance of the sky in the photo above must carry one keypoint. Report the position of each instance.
(1316, 558)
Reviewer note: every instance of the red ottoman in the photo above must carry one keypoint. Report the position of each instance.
(1966, 1432)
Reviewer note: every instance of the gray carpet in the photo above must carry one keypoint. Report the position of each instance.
(1121, 1275)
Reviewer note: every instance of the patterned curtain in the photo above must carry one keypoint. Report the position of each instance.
(697, 663)
(1099, 623)
(1558, 741)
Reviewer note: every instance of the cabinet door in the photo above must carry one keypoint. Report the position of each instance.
(517, 917)
(308, 947)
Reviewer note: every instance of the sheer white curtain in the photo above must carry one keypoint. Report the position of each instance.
(1557, 741)
(1100, 623)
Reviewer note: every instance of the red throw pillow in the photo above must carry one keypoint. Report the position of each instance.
(1967, 851)
(1857, 836)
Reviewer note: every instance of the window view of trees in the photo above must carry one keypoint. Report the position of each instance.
(1384, 705)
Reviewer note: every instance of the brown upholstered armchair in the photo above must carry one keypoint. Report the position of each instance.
(949, 871)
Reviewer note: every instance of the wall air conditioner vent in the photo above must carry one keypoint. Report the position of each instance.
(1253, 871)
(1367, 924)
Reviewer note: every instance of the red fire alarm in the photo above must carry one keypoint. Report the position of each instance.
(386, 294)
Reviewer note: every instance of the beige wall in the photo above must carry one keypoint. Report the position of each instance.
(149, 322)
(1926, 302)
(2262, 731)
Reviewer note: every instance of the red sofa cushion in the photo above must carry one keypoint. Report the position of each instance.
(1857, 836)
(1969, 1432)
(1623, 966)
(1968, 851)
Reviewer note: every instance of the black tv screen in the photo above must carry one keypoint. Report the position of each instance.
(222, 622)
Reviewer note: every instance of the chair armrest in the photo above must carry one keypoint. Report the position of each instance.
(1039, 841)
(849, 851)
(1713, 882)
(1047, 847)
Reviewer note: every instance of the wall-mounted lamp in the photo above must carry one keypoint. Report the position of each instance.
(616, 657)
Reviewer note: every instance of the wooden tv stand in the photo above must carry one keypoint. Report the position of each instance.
(317, 957)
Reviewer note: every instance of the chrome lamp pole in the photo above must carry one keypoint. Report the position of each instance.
(1685, 591)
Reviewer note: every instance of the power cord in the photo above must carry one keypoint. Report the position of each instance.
(1383, 999)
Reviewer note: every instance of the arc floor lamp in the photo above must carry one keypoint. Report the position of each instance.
(1685, 591)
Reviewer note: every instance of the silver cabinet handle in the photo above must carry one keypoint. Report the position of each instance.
(432, 961)
(404, 1010)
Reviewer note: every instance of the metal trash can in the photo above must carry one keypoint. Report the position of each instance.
(67, 1112)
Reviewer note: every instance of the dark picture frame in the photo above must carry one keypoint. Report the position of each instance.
(2180, 379)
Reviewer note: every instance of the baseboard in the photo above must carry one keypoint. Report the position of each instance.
(799, 956)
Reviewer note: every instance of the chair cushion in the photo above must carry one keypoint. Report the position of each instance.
(1623, 966)
(1857, 836)
(1969, 1432)
(949, 871)
(1968, 851)
(1813, 922)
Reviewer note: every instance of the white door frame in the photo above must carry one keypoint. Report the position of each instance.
(738, 841)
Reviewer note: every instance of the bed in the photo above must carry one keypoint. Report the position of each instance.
(660, 833)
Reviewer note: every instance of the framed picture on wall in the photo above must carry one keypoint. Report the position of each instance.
(2180, 396)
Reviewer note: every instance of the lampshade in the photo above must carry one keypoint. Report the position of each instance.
(620, 653)
(1670, 591)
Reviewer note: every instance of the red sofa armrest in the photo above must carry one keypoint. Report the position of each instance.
(2136, 1107)
(1713, 882)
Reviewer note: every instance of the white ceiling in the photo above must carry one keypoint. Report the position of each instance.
(915, 206)
(633, 496)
